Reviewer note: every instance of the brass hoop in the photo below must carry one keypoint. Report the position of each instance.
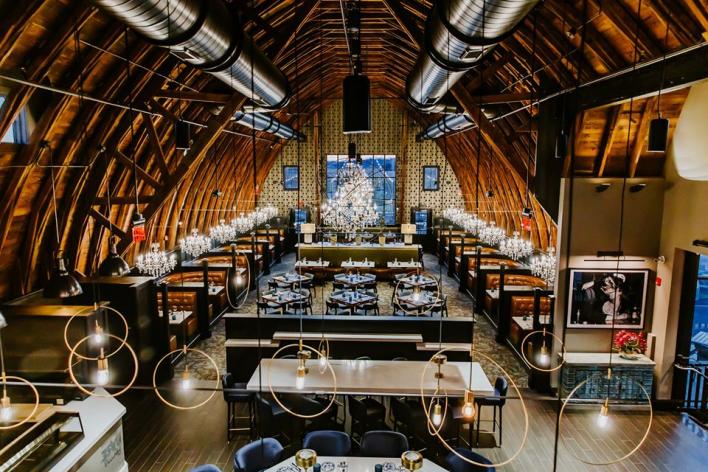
(397, 303)
(72, 353)
(639, 444)
(518, 392)
(36, 401)
(430, 425)
(299, 415)
(96, 308)
(533, 366)
(185, 350)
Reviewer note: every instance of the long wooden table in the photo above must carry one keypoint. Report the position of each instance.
(364, 377)
(376, 253)
(354, 464)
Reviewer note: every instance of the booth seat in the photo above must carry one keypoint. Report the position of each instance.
(492, 283)
(215, 277)
(470, 250)
(182, 301)
(485, 261)
(522, 305)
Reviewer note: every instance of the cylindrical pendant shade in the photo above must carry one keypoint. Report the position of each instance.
(356, 105)
(658, 135)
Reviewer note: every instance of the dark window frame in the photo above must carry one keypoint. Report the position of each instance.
(285, 186)
(437, 179)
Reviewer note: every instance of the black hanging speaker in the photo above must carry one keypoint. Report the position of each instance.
(182, 138)
(658, 135)
(356, 105)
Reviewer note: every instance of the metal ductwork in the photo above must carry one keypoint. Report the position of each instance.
(448, 124)
(263, 122)
(458, 34)
(205, 34)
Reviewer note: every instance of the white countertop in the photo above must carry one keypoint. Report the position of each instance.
(603, 358)
(361, 377)
(98, 416)
(355, 464)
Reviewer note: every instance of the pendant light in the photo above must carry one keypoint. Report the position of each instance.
(659, 127)
(113, 265)
(61, 283)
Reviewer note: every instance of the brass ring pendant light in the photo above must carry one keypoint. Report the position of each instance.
(429, 305)
(535, 365)
(123, 340)
(185, 350)
(72, 375)
(3, 379)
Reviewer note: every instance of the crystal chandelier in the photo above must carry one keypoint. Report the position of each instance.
(491, 234)
(544, 265)
(470, 222)
(195, 244)
(156, 263)
(243, 223)
(222, 232)
(352, 207)
(515, 247)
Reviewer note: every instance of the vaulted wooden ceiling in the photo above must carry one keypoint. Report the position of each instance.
(69, 45)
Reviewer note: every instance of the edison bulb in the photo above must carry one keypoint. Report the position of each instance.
(186, 382)
(323, 359)
(544, 359)
(98, 338)
(604, 416)
(468, 410)
(416, 295)
(437, 414)
(102, 374)
(239, 279)
(5, 409)
(300, 378)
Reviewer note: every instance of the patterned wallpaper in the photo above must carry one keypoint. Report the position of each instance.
(386, 138)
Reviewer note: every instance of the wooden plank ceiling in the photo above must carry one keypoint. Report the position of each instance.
(39, 43)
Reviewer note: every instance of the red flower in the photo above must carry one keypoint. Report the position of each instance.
(629, 341)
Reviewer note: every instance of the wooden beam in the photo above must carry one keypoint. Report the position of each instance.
(122, 200)
(203, 142)
(193, 96)
(126, 161)
(403, 20)
(641, 135)
(608, 138)
(303, 15)
(105, 222)
(502, 98)
(167, 114)
(577, 134)
(154, 142)
(700, 12)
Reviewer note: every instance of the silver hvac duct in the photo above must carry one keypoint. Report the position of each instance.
(446, 125)
(207, 35)
(458, 33)
(263, 122)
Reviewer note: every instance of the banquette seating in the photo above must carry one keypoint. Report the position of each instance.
(493, 282)
(182, 301)
(218, 302)
(484, 261)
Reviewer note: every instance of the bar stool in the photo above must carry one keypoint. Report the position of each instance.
(501, 386)
(235, 393)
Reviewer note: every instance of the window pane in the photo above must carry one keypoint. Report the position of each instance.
(291, 177)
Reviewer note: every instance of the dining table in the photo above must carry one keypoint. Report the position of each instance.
(418, 280)
(283, 297)
(354, 464)
(352, 299)
(355, 280)
(420, 299)
(351, 264)
(292, 278)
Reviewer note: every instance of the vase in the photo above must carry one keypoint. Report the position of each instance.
(630, 356)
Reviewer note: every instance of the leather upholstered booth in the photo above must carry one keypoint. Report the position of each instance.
(485, 261)
(492, 283)
(522, 305)
(182, 301)
(216, 278)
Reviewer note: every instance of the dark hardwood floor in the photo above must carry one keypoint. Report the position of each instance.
(159, 438)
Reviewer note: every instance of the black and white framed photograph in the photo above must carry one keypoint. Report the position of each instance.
(291, 177)
(600, 298)
(431, 178)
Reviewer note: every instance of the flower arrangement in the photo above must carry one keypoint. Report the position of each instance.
(629, 343)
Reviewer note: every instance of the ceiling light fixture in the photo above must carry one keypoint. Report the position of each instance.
(195, 244)
(156, 262)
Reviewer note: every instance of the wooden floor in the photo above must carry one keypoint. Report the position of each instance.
(159, 438)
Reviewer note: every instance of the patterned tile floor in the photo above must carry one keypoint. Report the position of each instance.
(459, 304)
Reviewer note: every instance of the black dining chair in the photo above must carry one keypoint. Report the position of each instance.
(328, 443)
(383, 444)
(456, 464)
(235, 394)
(302, 306)
(268, 308)
(334, 308)
(272, 418)
(365, 413)
(258, 455)
(501, 387)
(368, 307)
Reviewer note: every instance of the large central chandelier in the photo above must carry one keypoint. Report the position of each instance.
(515, 247)
(156, 263)
(352, 207)
(544, 265)
(491, 234)
(195, 244)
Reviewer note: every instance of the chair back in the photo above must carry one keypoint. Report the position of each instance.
(383, 444)
(501, 387)
(328, 443)
(456, 464)
(258, 455)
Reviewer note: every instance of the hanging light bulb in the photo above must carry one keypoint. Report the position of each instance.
(416, 294)
(300, 376)
(186, 382)
(468, 410)
(437, 414)
(323, 359)
(5, 408)
(544, 358)
(98, 336)
(603, 417)
(102, 373)
(239, 278)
